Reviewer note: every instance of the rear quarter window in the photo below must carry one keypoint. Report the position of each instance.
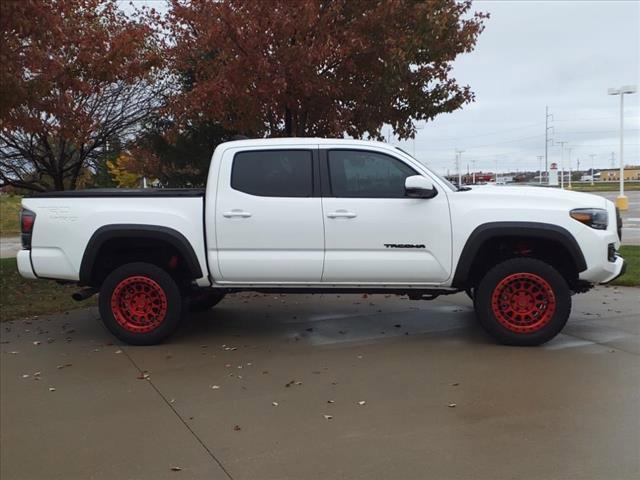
(273, 173)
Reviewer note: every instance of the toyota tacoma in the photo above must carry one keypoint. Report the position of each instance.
(306, 215)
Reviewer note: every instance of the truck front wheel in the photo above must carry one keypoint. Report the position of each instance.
(523, 301)
(140, 303)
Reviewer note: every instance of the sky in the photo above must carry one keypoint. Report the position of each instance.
(534, 54)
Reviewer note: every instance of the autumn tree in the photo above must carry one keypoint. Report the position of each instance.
(318, 67)
(75, 73)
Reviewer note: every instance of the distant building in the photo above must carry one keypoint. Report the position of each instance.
(631, 172)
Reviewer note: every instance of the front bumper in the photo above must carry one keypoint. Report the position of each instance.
(24, 264)
(623, 269)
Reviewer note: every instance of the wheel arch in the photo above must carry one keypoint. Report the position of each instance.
(108, 233)
(532, 231)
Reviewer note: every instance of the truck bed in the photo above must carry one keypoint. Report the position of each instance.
(66, 221)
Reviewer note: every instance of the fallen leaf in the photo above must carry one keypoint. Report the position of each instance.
(328, 417)
(26, 375)
(176, 469)
(361, 402)
(452, 405)
(51, 389)
(37, 342)
(215, 387)
(331, 401)
(237, 428)
(455, 384)
(143, 376)
(118, 351)
(275, 404)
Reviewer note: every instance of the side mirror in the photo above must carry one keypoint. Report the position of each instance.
(417, 186)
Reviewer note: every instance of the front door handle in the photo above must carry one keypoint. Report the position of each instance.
(236, 213)
(342, 214)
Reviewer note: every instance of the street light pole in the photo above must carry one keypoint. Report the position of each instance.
(546, 141)
(622, 202)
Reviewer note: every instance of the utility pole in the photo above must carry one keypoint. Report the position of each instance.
(562, 144)
(473, 164)
(458, 160)
(570, 174)
(546, 141)
(592, 162)
(540, 157)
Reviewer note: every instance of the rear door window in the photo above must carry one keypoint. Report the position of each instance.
(273, 173)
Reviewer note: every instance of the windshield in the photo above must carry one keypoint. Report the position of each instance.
(440, 177)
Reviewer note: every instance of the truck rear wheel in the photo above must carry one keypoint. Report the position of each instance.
(523, 301)
(140, 303)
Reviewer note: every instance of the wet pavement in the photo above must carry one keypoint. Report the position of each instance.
(324, 387)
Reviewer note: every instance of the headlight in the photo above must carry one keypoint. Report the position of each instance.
(593, 217)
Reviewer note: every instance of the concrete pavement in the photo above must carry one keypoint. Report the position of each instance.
(9, 246)
(441, 400)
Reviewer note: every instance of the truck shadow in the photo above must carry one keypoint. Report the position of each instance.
(330, 319)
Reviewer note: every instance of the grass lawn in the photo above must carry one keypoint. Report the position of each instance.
(9, 211)
(20, 298)
(605, 187)
(631, 253)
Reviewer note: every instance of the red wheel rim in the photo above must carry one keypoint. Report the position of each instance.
(139, 304)
(523, 302)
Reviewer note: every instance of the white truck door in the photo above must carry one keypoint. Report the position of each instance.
(268, 216)
(373, 232)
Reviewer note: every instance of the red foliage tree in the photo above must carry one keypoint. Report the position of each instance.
(75, 75)
(318, 67)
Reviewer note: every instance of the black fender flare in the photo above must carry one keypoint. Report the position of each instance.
(129, 230)
(534, 230)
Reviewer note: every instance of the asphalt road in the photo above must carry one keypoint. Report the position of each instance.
(630, 218)
(364, 388)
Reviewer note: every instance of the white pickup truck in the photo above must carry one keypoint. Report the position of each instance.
(323, 215)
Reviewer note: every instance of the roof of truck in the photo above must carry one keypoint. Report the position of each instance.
(304, 141)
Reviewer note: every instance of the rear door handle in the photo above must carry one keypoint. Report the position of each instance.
(342, 214)
(236, 213)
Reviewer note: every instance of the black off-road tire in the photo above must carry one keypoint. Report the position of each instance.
(523, 302)
(140, 303)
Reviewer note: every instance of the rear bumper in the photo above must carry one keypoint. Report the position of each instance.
(24, 264)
